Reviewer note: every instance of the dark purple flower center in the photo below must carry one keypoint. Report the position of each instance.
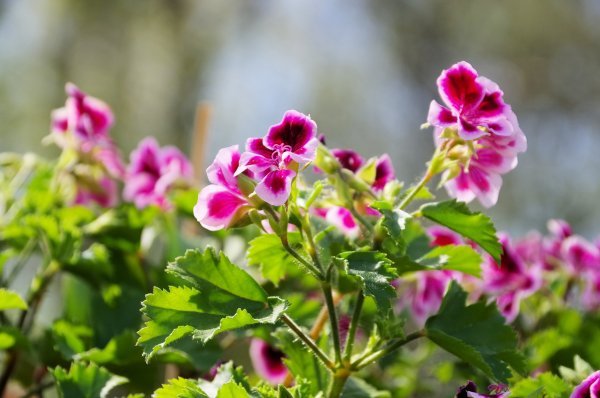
(273, 358)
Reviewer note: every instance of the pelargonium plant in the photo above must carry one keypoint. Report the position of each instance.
(299, 270)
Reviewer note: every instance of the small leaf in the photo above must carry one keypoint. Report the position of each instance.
(85, 381)
(70, 339)
(232, 390)
(180, 388)
(11, 300)
(475, 226)
(374, 272)
(218, 296)
(267, 252)
(358, 388)
(461, 258)
(11, 337)
(120, 350)
(544, 385)
(301, 362)
(476, 333)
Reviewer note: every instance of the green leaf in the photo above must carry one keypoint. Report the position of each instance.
(217, 296)
(11, 337)
(358, 388)
(267, 252)
(10, 300)
(232, 390)
(393, 222)
(180, 388)
(70, 339)
(374, 272)
(85, 381)
(475, 226)
(461, 258)
(186, 351)
(120, 350)
(301, 362)
(544, 385)
(476, 333)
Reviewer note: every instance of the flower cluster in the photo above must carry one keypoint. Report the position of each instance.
(266, 169)
(82, 129)
(477, 133)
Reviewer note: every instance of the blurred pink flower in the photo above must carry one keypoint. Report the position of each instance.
(511, 280)
(341, 218)
(86, 117)
(153, 172)
(348, 158)
(103, 192)
(469, 390)
(268, 361)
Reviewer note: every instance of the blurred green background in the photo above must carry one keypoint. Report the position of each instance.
(364, 70)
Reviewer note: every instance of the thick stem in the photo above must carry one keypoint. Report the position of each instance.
(360, 299)
(335, 330)
(372, 357)
(338, 382)
(308, 341)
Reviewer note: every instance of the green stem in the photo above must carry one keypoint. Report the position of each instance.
(372, 357)
(38, 287)
(426, 178)
(335, 330)
(308, 341)
(360, 299)
(317, 272)
(338, 382)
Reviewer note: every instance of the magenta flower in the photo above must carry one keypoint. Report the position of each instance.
(384, 172)
(442, 236)
(511, 280)
(341, 218)
(349, 159)
(580, 255)
(268, 361)
(221, 203)
(275, 158)
(87, 118)
(474, 104)
(469, 390)
(103, 192)
(589, 388)
(424, 295)
(475, 112)
(153, 172)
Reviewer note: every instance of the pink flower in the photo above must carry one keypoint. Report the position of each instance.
(580, 255)
(103, 192)
(275, 158)
(469, 390)
(341, 218)
(87, 118)
(221, 203)
(384, 172)
(511, 280)
(474, 104)
(476, 113)
(441, 236)
(424, 295)
(349, 159)
(153, 172)
(589, 388)
(268, 361)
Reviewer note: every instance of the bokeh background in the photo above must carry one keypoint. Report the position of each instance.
(364, 70)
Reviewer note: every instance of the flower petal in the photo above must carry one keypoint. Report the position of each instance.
(459, 87)
(343, 220)
(217, 207)
(275, 188)
(348, 158)
(222, 170)
(295, 130)
(440, 116)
